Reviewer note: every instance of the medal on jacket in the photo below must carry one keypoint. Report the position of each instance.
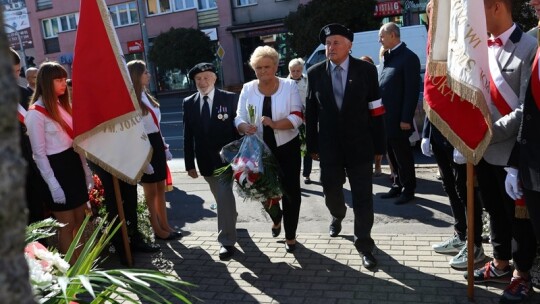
(222, 113)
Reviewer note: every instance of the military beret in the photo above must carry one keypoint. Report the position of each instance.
(335, 29)
(201, 67)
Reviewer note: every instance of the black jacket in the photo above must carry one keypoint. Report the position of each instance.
(349, 134)
(206, 146)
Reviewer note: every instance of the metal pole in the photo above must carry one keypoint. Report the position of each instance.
(21, 44)
(144, 34)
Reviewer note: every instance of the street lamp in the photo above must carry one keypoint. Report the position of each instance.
(21, 44)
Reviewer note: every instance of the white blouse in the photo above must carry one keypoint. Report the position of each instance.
(286, 103)
(148, 121)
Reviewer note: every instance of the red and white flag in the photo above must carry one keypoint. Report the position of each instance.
(456, 86)
(106, 118)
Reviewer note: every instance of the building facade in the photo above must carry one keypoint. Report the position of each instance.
(237, 27)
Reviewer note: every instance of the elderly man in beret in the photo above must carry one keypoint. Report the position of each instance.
(208, 126)
(345, 130)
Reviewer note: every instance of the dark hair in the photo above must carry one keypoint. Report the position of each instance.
(368, 59)
(136, 69)
(15, 56)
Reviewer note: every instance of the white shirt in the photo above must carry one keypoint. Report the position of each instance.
(210, 100)
(148, 120)
(504, 38)
(285, 101)
(47, 137)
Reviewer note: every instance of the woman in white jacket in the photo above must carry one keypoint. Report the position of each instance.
(277, 103)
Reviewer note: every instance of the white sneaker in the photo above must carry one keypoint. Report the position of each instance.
(452, 245)
(460, 260)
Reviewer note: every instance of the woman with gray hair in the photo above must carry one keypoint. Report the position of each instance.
(279, 108)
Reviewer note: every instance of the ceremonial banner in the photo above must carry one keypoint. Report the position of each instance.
(106, 120)
(457, 80)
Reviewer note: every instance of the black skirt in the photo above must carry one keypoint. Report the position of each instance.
(68, 170)
(158, 161)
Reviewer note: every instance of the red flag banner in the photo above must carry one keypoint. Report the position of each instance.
(106, 117)
(456, 86)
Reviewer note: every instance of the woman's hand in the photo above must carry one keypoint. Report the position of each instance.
(267, 121)
(248, 129)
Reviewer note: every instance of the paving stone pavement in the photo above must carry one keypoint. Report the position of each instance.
(322, 269)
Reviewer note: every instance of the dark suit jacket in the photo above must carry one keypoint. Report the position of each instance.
(349, 134)
(526, 153)
(400, 88)
(206, 147)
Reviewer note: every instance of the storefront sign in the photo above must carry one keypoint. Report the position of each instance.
(417, 6)
(390, 8)
(26, 39)
(135, 46)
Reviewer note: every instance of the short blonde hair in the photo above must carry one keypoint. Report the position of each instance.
(296, 62)
(261, 52)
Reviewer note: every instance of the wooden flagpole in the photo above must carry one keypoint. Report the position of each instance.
(120, 208)
(470, 231)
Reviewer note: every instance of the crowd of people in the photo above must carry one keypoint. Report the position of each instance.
(352, 113)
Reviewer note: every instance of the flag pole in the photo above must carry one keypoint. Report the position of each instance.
(470, 231)
(120, 208)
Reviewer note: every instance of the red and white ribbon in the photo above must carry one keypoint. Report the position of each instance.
(376, 108)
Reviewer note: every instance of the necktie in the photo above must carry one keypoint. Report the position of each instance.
(337, 84)
(495, 42)
(205, 115)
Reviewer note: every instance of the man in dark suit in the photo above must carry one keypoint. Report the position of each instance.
(345, 129)
(208, 126)
(400, 86)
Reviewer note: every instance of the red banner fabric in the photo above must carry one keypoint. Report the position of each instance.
(99, 91)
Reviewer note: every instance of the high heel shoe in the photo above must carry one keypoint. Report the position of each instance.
(170, 237)
(276, 231)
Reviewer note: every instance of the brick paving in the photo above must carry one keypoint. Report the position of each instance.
(321, 270)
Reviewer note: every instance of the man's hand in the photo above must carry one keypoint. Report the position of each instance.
(405, 126)
(511, 183)
(193, 173)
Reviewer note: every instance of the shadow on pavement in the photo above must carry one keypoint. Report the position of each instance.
(186, 208)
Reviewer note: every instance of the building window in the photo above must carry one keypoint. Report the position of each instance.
(124, 14)
(207, 4)
(180, 5)
(156, 7)
(53, 26)
(52, 45)
(43, 4)
(245, 2)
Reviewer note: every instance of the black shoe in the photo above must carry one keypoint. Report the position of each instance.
(170, 237)
(404, 198)
(368, 260)
(307, 180)
(335, 227)
(145, 247)
(178, 234)
(276, 231)
(226, 252)
(394, 192)
(290, 247)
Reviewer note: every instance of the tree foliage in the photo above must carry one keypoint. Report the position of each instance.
(181, 48)
(523, 14)
(307, 21)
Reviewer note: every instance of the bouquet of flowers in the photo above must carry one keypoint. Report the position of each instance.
(96, 198)
(253, 167)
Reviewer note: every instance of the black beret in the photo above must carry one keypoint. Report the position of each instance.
(335, 29)
(201, 67)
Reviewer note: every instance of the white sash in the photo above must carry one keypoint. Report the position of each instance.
(500, 83)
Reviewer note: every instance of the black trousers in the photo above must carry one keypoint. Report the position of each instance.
(532, 200)
(361, 181)
(288, 158)
(454, 182)
(308, 164)
(511, 237)
(402, 159)
(129, 197)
